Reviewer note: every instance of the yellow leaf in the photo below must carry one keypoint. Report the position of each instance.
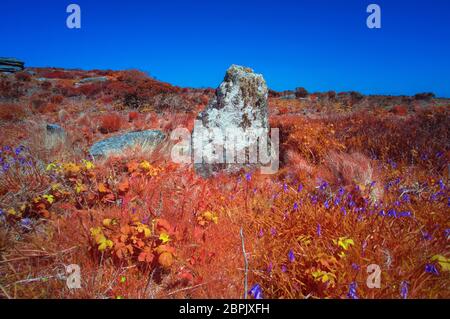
(145, 165)
(79, 187)
(105, 244)
(344, 242)
(107, 222)
(141, 228)
(102, 188)
(51, 166)
(211, 217)
(164, 237)
(12, 211)
(88, 164)
(71, 168)
(49, 198)
(442, 261)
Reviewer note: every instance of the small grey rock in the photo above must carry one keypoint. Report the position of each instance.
(117, 144)
(55, 129)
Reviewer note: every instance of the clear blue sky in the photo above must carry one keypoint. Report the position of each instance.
(319, 44)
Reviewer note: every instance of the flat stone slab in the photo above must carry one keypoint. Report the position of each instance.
(11, 65)
(118, 144)
(93, 80)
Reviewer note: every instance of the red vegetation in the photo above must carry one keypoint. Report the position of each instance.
(23, 76)
(110, 123)
(132, 116)
(400, 110)
(358, 185)
(12, 112)
(57, 99)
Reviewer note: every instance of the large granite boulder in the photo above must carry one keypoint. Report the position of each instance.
(11, 65)
(147, 140)
(226, 133)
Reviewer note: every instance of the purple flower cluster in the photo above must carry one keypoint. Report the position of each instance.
(404, 289)
(431, 269)
(352, 291)
(256, 292)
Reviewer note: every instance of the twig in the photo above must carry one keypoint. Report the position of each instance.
(246, 265)
(187, 288)
(42, 254)
(5, 292)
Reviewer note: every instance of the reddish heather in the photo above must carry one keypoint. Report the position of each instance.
(359, 184)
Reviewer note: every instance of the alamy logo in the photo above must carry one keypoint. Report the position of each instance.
(74, 19)
(231, 146)
(374, 19)
(73, 280)
(374, 278)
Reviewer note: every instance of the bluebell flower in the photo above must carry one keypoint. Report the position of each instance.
(25, 223)
(355, 266)
(323, 185)
(396, 203)
(273, 231)
(291, 256)
(439, 154)
(406, 198)
(404, 214)
(2, 213)
(6, 148)
(248, 176)
(352, 291)
(283, 268)
(19, 149)
(351, 204)
(392, 163)
(426, 236)
(404, 289)
(300, 187)
(22, 161)
(364, 245)
(341, 191)
(344, 211)
(314, 199)
(256, 291)
(424, 157)
(431, 269)
(441, 184)
(392, 213)
(295, 206)
(261, 233)
(326, 204)
(447, 232)
(319, 230)
(5, 167)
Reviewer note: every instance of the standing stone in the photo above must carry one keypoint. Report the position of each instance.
(230, 126)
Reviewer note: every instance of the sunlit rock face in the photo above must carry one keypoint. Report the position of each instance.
(226, 133)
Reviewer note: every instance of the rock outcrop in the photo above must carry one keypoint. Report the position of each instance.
(230, 126)
(147, 140)
(55, 129)
(11, 65)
